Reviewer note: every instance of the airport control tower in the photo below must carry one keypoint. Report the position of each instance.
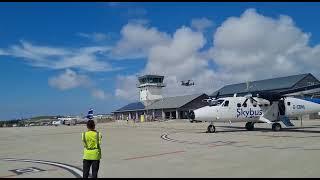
(150, 88)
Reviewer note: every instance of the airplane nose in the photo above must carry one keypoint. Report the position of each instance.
(191, 115)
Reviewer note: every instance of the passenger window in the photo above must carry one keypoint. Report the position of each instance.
(254, 105)
(226, 103)
(245, 105)
(260, 105)
(288, 103)
(238, 105)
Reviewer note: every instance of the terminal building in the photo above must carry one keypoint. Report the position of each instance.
(274, 84)
(152, 105)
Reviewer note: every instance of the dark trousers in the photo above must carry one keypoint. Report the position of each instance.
(86, 168)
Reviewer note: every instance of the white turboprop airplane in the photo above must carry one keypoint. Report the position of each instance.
(258, 107)
(56, 123)
(68, 120)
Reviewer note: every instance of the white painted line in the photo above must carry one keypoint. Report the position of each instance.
(72, 169)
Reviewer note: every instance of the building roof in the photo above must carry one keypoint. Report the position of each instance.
(172, 102)
(132, 107)
(266, 84)
(164, 103)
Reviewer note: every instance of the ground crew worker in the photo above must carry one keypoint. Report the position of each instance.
(92, 150)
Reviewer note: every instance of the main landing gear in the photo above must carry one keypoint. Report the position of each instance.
(211, 128)
(249, 126)
(276, 126)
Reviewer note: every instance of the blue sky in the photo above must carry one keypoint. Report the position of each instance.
(64, 58)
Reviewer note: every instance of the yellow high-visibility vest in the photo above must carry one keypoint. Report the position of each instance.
(91, 142)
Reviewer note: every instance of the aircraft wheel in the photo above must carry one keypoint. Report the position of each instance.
(249, 126)
(211, 129)
(276, 127)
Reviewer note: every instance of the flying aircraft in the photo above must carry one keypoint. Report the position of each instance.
(188, 83)
(269, 107)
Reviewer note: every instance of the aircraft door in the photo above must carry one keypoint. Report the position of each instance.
(282, 108)
(224, 110)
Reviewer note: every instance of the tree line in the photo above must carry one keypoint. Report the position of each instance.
(10, 123)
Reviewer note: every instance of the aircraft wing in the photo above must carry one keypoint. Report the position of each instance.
(277, 95)
(301, 90)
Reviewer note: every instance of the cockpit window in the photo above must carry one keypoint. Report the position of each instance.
(216, 103)
(226, 103)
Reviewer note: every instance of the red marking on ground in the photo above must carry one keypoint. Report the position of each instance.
(154, 155)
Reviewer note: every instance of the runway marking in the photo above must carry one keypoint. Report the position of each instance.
(209, 144)
(154, 155)
(12, 175)
(28, 170)
(77, 172)
(235, 144)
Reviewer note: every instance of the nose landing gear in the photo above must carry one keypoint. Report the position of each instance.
(211, 128)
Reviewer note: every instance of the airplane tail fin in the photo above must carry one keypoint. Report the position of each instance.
(90, 114)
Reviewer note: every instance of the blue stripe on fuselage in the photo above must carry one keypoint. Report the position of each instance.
(315, 100)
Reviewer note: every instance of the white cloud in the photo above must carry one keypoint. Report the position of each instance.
(69, 80)
(249, 47)
(254, 46)
(178, 59)
(96, 37)
(86, 58)
(136, 40)
(181, 60)
(201, 24)
(126, 87)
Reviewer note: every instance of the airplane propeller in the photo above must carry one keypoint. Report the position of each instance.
(217, 95)
(211, 100)
(249, 96)
(270, 96)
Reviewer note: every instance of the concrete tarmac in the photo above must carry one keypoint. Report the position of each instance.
(164, 149)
